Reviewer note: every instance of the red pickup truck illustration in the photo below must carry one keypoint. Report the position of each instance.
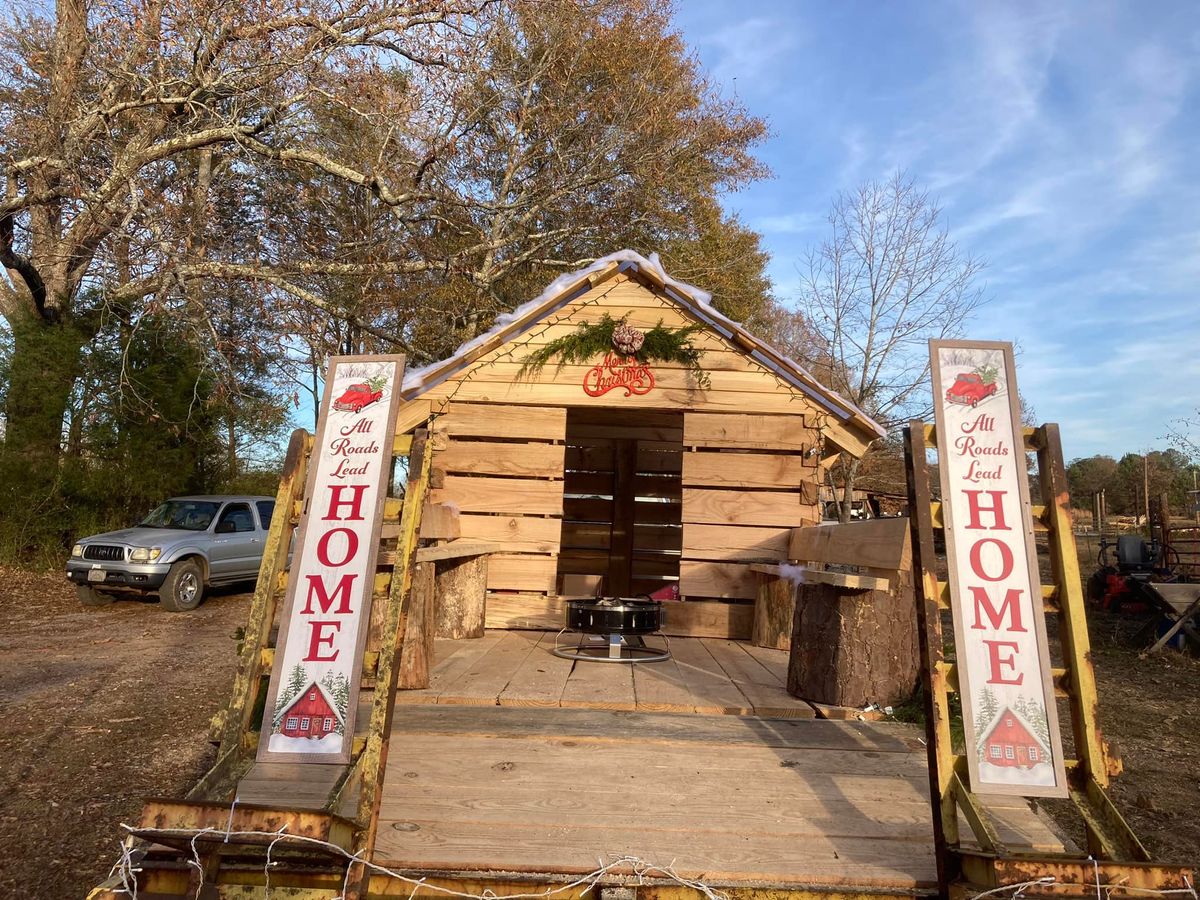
(969, 388)
(356, 397)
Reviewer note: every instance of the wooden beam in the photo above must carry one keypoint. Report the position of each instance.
(412, 414)
(188, 816)
(877, 543)
(1073, 633)
(379, 728)
(748, 432)
(455, 550)
(932, 648)
(837, 579)
(440, 522)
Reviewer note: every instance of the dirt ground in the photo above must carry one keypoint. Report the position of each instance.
(104, 707)
(1150, 714)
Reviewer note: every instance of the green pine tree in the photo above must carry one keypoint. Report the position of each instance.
(986, 711)
(297, 682)
(1035, 714)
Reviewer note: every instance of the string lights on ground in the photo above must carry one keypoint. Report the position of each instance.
(126, 870)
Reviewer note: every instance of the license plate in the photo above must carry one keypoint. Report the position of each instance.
(97, 574)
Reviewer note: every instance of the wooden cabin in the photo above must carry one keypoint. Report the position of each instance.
(506, 770)
(629, 490)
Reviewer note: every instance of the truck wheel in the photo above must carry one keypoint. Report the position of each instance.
(89, 596)
(184, 588)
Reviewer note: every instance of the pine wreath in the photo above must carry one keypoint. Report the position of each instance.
(659, 344)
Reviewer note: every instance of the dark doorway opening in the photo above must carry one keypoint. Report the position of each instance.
(622, 506)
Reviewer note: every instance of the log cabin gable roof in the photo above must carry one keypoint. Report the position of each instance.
(848, 427)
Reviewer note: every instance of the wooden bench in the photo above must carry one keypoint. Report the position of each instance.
(844, 608)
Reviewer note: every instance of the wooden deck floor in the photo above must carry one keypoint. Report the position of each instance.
(726, 799)
(517, 668)
(617, 764)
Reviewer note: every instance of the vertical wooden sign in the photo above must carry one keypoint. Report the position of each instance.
(311, 700)
(1009, 717)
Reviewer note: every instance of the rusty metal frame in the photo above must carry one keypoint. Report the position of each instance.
(1117, 858)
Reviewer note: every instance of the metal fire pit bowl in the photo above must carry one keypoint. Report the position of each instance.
(611, 630)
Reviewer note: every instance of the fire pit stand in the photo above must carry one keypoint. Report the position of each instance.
(611, 630)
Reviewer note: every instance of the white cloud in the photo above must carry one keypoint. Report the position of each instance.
(748, 53)
(789, 223)
(1061, 142)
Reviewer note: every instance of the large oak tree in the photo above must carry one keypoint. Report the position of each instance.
(407, 169)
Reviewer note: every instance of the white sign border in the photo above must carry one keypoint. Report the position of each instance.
(265, 754)
(957, 603)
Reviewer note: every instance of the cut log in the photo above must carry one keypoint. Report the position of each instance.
(854, 647)
(461, 588)
(417, 653)
(773, 610)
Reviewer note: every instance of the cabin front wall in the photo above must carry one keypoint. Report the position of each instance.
(748, 466)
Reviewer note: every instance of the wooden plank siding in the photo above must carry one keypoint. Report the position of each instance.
(501, 495)
(714, 490)
(737, 382)
(528, 459)
(740, 503)
(502, 468)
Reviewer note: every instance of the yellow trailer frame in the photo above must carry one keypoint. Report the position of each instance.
(1117, 860)
(207, 845)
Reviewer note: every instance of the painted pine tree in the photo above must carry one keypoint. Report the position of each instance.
(297, 682)
(1035, 714)
(338, 688)
(986, 709)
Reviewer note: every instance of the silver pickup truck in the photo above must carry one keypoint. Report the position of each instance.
(183, 547)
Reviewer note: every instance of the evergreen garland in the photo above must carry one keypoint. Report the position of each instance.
(662, 344)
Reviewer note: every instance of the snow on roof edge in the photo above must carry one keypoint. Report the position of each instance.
(416, 378)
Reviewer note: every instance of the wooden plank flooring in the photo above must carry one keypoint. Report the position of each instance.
(517, 760)
(708, 676)
(730, 799)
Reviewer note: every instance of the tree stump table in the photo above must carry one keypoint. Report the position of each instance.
(852, 630)
(852, 647)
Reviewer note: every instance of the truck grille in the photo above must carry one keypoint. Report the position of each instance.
(104, 551)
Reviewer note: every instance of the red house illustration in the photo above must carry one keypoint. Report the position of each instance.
(311, 714)
(1010, 742)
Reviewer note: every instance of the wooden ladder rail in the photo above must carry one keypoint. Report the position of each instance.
(1109, 837)
(371, 764)
(234, 725)
(235, 719)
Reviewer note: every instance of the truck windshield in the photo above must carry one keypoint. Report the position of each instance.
(189, 515)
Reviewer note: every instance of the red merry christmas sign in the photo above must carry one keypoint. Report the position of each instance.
(309, 716)
(1012, 737)
(618, 372)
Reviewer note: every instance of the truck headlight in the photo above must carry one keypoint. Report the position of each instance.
(145, 554)
(77, 551)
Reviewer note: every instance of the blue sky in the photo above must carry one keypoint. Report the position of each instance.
(1063, 142)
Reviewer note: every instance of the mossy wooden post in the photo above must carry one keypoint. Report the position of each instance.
(1108, 835)
(932, 647)
(267, 592)
(373, 762)
(418, 631)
